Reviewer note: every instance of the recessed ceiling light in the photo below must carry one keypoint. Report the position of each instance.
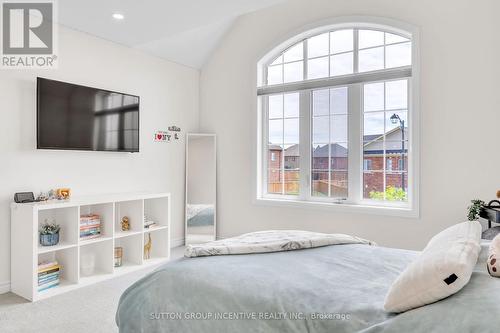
(118, 16)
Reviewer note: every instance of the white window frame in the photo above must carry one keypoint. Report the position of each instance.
(354, 202)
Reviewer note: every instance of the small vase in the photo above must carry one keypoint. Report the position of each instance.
(49, 240)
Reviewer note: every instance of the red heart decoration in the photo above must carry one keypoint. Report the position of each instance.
(159, 136)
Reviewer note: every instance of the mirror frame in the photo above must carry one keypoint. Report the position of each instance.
(188, 135)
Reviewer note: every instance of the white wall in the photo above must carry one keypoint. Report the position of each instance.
(169, 96)
(459, 113)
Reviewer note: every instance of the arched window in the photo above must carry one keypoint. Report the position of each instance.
(338, 119)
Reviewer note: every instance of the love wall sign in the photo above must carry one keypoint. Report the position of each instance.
(167, 136)
(162, 136)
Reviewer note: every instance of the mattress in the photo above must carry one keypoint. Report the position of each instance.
(337, 288)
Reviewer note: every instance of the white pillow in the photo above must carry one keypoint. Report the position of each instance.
(443, 268)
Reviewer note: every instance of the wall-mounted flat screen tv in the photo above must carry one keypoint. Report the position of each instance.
(74, 117)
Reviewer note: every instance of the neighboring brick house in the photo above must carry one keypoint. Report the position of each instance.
(320, 166)
(320, 157)
(337, 180)
(274, 157)
(291, 169)
(338, 157)
(373, 165)
(373, 161)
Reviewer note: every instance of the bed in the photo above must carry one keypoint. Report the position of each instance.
(337, 288)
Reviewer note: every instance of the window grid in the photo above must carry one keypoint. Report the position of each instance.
(331, 117)
(388, 112)
(355, 51)
(284, 144)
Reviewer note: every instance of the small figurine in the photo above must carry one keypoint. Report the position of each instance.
(125, 223)
(63, 193)
(147, 248)
(42, 197)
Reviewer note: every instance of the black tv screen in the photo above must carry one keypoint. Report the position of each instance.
(73, 117)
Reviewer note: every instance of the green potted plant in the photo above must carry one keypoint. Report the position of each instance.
(49, 233)
(474, 209)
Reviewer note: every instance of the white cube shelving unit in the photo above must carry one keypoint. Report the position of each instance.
(26, 251)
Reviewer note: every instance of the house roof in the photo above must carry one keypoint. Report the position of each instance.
(392, 145)
(292, 151)
(369, 139)
(341, 151)
(274, 147)
(320, 151)
(336, 151)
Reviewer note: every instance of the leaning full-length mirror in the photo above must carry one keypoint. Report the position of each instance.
(200, 188)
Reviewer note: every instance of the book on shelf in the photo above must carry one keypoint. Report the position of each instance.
(90, 228)
(89, 231)
(90, 224)
(90, 220)
(90, 237)
(48, 276)
(48, 285)
(47, 269)
(93, 229)
(46, 264)
(48, 279)
(148, 222)
(82, 235)
(48, 272)
(89, 217)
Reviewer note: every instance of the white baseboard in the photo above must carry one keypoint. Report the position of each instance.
(4, 287)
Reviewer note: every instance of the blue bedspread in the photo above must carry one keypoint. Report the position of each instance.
(330, 289)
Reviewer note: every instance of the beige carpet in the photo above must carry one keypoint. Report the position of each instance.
(89, 309)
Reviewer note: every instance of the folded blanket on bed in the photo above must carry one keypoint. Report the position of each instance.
(271, 241)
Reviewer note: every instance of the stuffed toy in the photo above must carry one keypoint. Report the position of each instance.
(493, 262)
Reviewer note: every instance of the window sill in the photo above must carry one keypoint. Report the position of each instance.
(405, 212)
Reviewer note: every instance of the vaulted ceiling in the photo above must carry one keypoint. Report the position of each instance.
(183, 31)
